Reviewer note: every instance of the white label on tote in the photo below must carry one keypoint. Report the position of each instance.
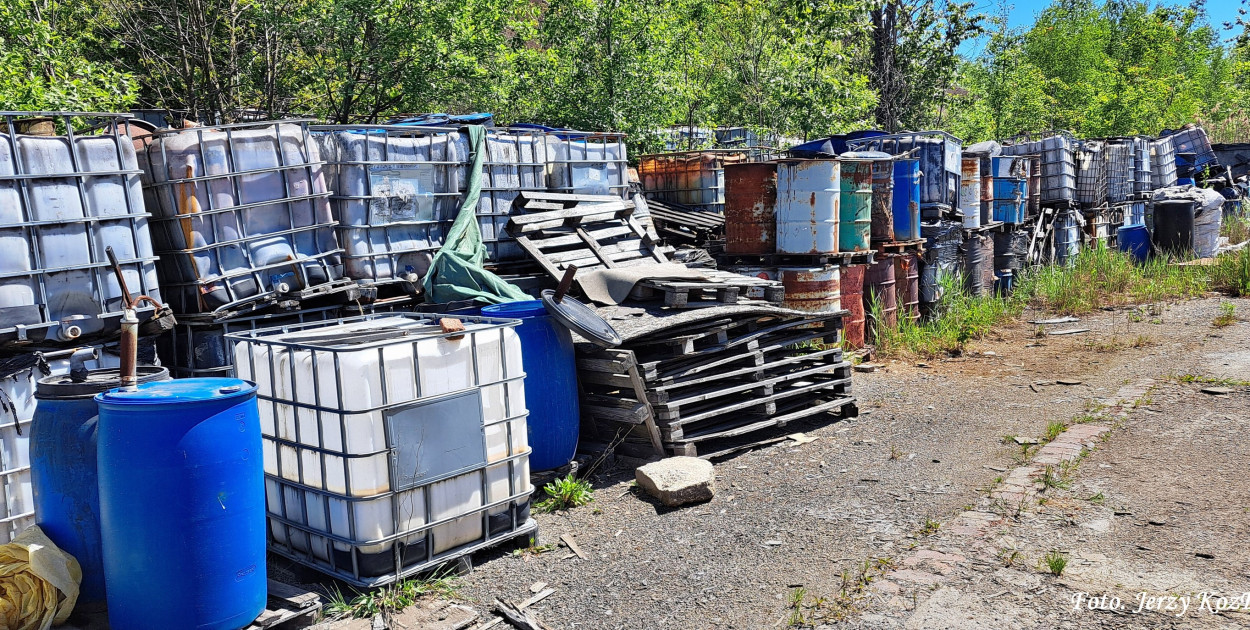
(401, 194)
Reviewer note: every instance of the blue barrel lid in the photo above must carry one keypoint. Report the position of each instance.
(186, 390)
(521, 308)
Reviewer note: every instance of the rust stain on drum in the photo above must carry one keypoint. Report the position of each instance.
(815, 290)
(751, 208)
(907, 285)
(880, 285)
(852, 289)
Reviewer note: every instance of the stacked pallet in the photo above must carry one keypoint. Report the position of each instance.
(592, 232)
(703, 387)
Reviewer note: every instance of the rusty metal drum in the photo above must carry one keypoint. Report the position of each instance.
(807, 206)
(970, 191)
(883, 200)
(907, 285)
(851, 284)
(879, 286)
(751, 208)
(811, 289)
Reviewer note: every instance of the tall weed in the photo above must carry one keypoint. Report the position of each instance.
(1105, 277)
(1231, 273)
(957, 319)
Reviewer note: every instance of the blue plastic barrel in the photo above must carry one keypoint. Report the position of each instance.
(1134, 239)
(550, 382)
(182, 505)
(63, 469)
(906, 204)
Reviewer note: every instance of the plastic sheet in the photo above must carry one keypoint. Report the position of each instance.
(38, 582)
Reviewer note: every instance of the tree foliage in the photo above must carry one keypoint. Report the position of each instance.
(1098, 69)
(798, 67)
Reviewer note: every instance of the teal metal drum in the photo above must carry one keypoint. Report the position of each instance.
(855, 220)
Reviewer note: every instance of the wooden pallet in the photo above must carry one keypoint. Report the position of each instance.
(722, 288)
(992, 226)
(589, 231)
(800, 260)
(899, 247)
(719, 378)
(287, 604)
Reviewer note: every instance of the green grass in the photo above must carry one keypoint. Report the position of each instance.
(1099, 277)
(929, 527)
(1055, 562)
(1106, 277)
(1231, 273)
(390, 599)
(564, 493)
(1227, 316)
(1237, 229)
(1053, 430)
(958, 319)
(1050, 478)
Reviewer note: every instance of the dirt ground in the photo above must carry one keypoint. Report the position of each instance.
(859, 526)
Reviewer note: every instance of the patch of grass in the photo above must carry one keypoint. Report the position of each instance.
(1055, 562)
(1097, 499)
(895, 453)
(391, 599)
(1211, 380)
(1236, 228)
(1053, 430)
(1227, 316)
(1142, 341)
(1009, 556)
(536, 550)
(1051, 478)
(1086, 418)
(958, 319)
(1106, 277)
(929, 527)
(1231, 272)
(564, 493)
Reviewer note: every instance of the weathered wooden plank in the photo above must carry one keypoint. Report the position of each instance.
(538, 257)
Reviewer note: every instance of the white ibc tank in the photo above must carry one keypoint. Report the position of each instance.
(396, 190)
(64, 200)
(386, 431)
(242, 214)
(17, 408)
(587, 163)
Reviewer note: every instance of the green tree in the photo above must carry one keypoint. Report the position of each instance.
(49, 59)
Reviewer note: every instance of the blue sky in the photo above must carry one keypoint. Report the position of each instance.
(1023, 13)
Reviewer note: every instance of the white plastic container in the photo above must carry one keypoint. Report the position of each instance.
(389, 445)
(17, 395)
(398, 189)
(63, 201)
(587, 163)
(241, 214)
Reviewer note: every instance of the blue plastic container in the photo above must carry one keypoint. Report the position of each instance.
(550, 382)
(906, 204)
(63, 469)
(1186, 169)
(182, 505)
(1004, 282)
(1134, 239)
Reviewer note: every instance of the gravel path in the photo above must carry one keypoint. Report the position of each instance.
(928, 444)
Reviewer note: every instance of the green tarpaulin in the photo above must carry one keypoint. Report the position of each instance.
(457, 271)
